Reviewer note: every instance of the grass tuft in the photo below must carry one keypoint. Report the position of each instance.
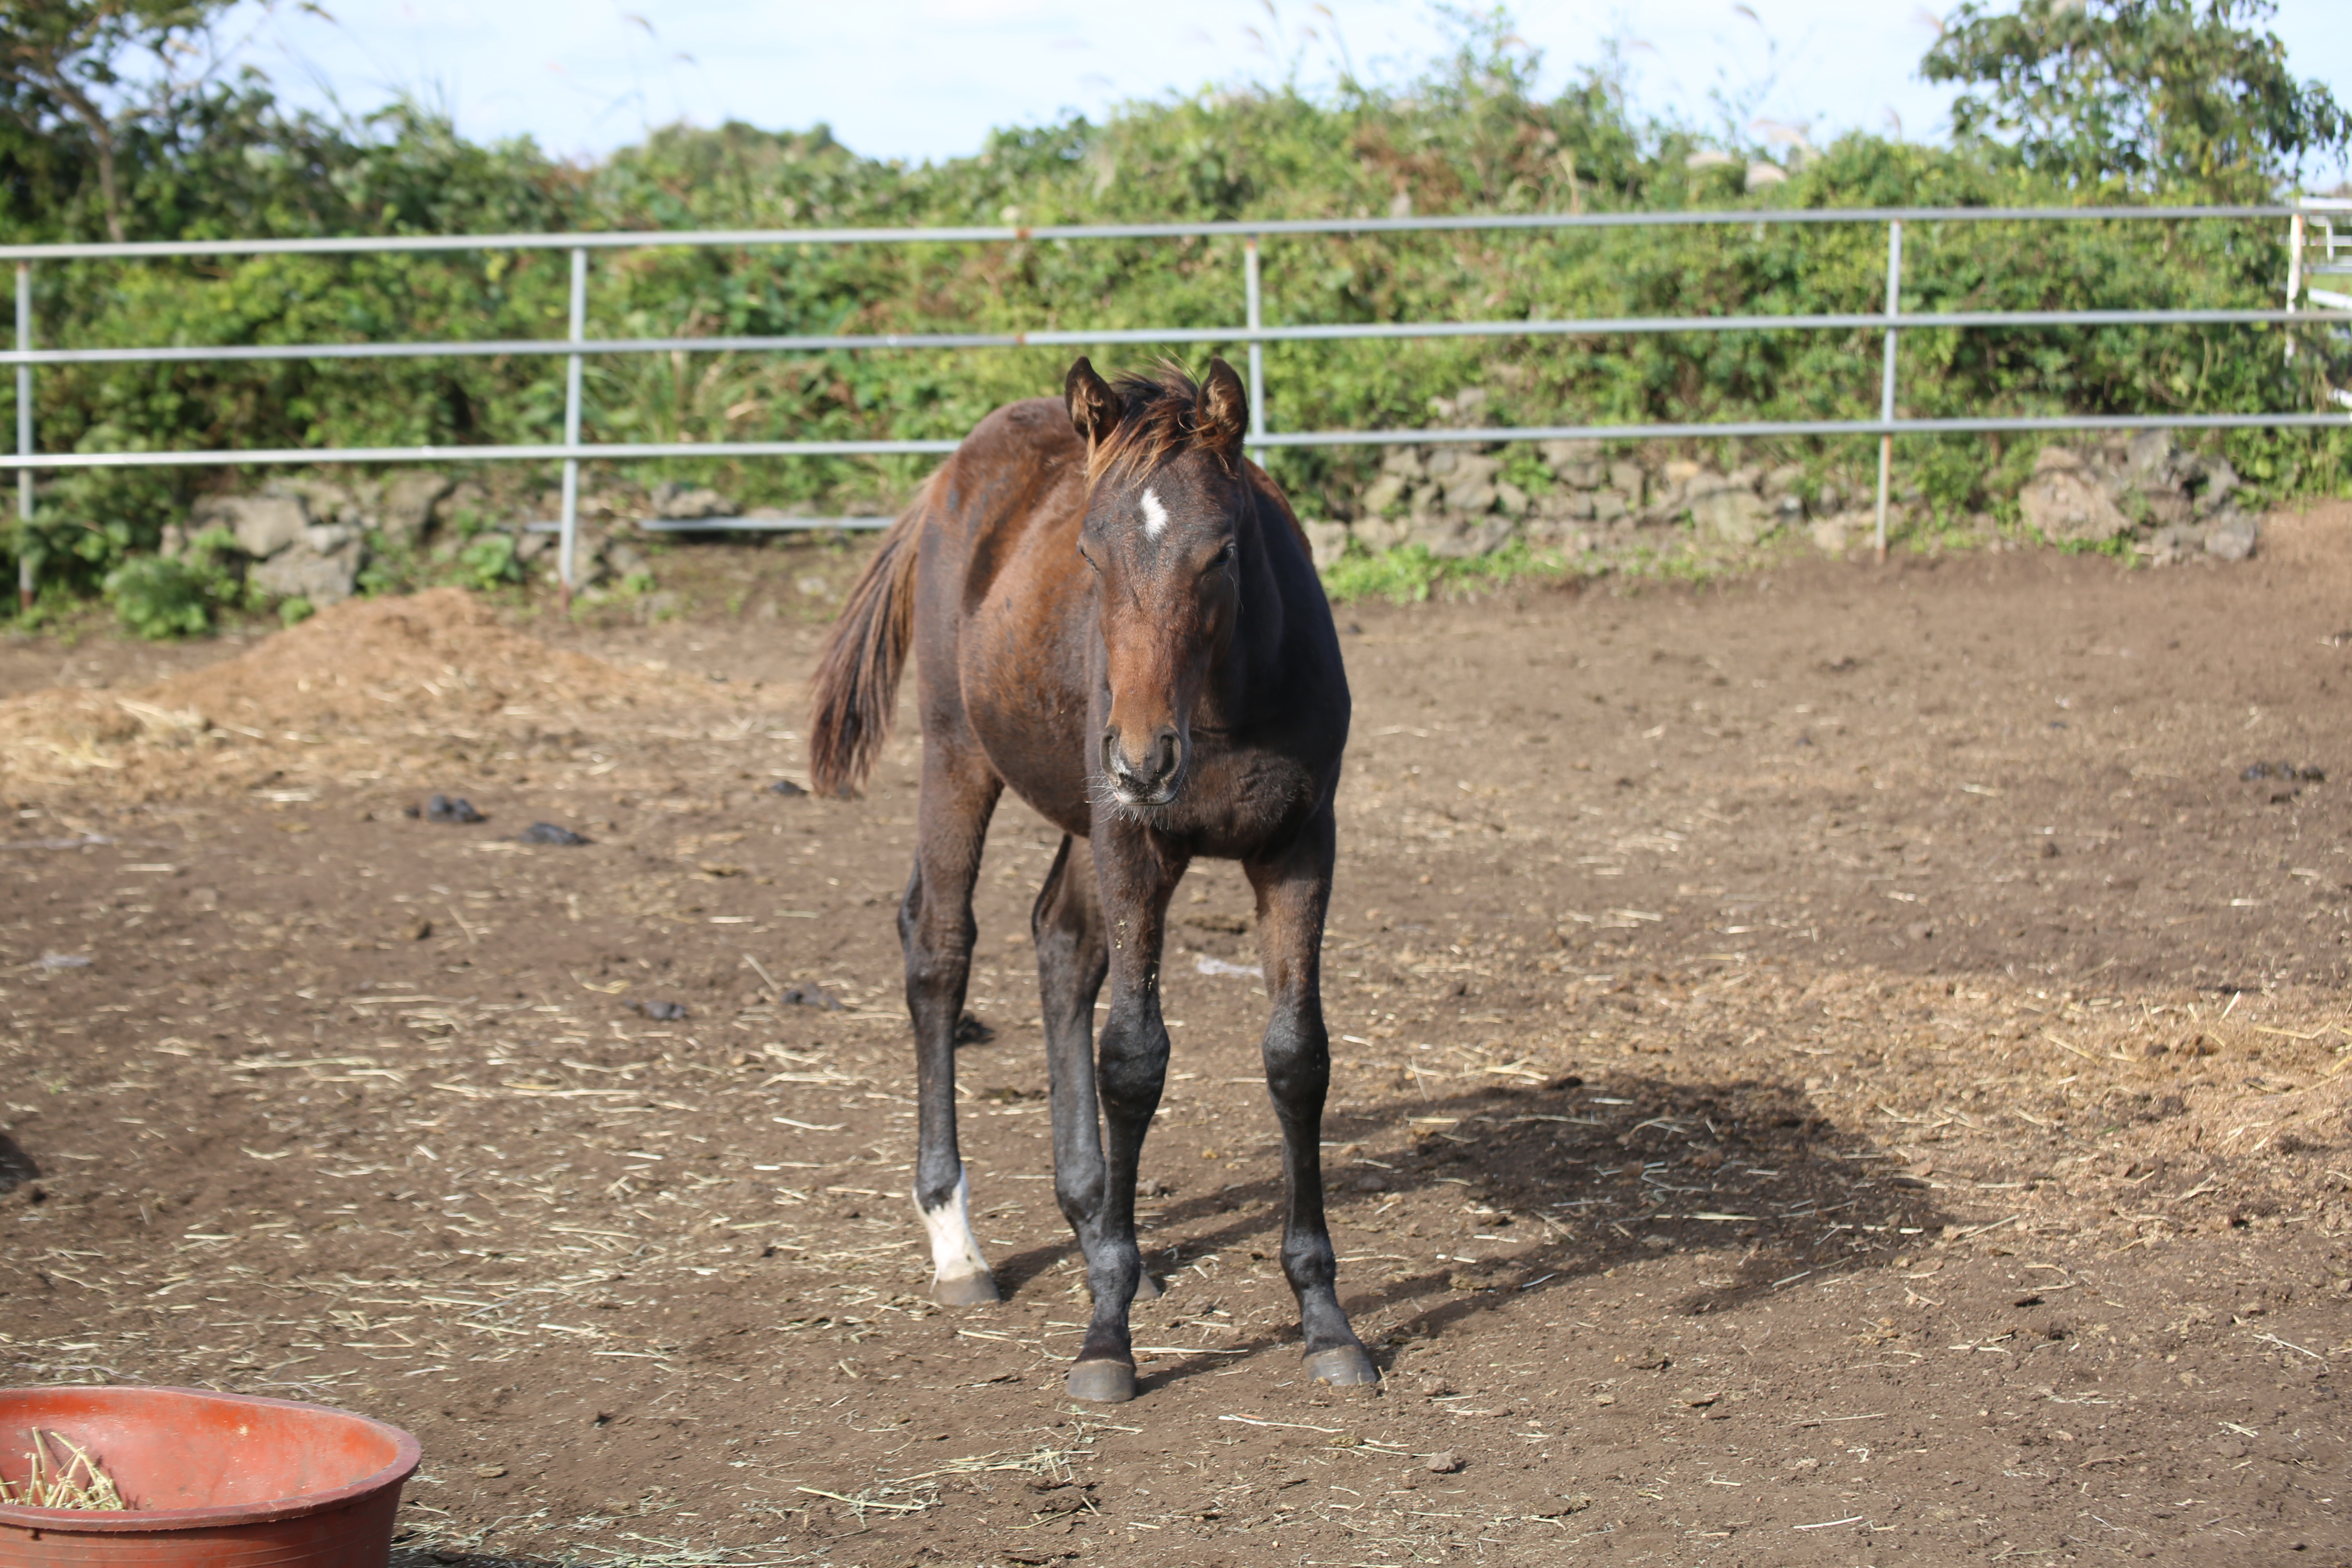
(1409, 573)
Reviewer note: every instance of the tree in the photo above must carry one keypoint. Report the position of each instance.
(2150, 94)
(59, 59)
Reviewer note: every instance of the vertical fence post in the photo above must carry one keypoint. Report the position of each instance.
(1257, 349)
(25, 568)
(567, 554)
(2293, 273)
(1887, 376)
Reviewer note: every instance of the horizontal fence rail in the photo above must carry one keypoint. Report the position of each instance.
(1345, 332)
(633, 239)
(625, 451)
(576, 346)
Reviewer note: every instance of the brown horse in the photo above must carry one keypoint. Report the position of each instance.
(1117, 616)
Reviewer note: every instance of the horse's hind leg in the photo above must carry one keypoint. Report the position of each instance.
(936, 930)
(1294, 890)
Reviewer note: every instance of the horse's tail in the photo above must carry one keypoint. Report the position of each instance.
(856, 687)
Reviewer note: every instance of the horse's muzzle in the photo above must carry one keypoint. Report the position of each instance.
(1152, 779)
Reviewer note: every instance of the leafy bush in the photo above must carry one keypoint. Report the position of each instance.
(159, 596)
(488, 560)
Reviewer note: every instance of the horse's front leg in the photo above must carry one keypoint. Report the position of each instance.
(1294, 892)
(1136, 872)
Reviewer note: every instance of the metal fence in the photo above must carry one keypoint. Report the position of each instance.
(2319, 242)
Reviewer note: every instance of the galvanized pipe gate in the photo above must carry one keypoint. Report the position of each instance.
(2335, 255)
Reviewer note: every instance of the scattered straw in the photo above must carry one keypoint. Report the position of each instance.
(81, 1484)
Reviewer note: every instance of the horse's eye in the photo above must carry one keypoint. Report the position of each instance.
(1225, 556)
(1087, 559)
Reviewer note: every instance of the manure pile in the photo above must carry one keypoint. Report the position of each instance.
(378, 684)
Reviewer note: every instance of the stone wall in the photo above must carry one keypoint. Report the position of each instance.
(2174, 504)
(296, 543)
(1454, 501)
(309, 538)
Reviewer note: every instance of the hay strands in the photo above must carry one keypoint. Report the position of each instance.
(80, 1484)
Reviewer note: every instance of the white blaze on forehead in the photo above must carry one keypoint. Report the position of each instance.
(1155, 516)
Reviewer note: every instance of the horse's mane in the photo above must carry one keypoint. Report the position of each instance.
(1155, 422)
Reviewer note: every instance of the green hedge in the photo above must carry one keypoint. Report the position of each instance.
(1470, 137)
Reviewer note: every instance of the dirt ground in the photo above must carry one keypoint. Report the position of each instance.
(1839, 1067)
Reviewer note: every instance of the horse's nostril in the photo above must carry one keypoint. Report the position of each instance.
(1159, 764)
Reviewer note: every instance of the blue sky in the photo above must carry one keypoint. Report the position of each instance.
(928, 79)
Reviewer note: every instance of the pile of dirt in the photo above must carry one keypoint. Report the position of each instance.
(441, 655)
(371, 672)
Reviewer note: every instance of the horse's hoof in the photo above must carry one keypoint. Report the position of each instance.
(1342, 1366)
(966, 1291)
(1102, 1381)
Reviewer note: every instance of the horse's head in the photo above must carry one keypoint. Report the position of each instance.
(1166, 493)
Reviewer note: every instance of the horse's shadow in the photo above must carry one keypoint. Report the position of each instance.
(16, 1167)
(1556, 1184)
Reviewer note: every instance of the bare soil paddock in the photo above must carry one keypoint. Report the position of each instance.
(1838, 1068)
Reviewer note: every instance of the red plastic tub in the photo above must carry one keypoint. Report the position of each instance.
(215, 1480)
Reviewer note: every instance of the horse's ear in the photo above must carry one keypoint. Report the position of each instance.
(1094, 407)
(1221, 416)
